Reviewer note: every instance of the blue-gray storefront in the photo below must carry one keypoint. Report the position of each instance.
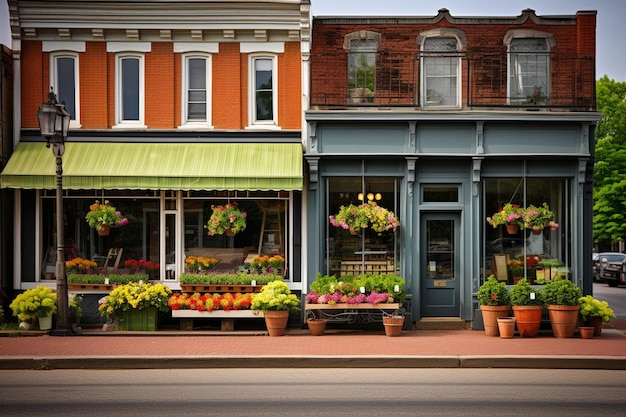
(443, 174)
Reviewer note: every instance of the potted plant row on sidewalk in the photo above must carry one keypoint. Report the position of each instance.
(561, 297)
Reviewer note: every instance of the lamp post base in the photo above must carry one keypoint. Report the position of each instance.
(61, 332)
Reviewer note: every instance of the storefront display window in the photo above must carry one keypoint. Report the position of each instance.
(354, 252)
(537, 250)
(266, 231)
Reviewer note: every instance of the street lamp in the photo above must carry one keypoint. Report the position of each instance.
(54, 123)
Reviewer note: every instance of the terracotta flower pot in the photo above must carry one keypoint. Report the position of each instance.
(512, 229)
(528, 319)
(506, 327)
(596, 323)
(586, 332)
(490, 318)
(317, 327)
(563, 320)
(276, 322)
(393, 325)
(104, 230)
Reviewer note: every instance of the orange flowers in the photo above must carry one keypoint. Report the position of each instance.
(210, 302)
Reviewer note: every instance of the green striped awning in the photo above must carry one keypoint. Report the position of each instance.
(158, 166)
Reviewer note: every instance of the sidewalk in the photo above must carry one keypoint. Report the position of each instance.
(297, 349)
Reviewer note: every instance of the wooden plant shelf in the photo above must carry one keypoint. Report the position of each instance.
(220, 288)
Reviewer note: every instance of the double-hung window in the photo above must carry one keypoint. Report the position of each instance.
(264, 101)
(440, 72)
(64, 75)
(362, 47)
(129, 91)
(196, 90)
(529, 64)
(64, 82)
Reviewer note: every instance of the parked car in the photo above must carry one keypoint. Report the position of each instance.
(609, 267)
(594, 261)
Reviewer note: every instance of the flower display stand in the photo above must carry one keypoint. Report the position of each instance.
(348, 313)
(220, 288)
(227, 317)
(138, 320)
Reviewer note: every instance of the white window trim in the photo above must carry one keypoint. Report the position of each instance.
(54, 46)
(74, 123)
(126, 124)
(252, 122)
(461, 40)
(185, 123)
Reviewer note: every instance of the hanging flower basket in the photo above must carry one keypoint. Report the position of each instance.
(536, 218)
(356, 218)
(509, 215)
(103, 216)
(226, 219)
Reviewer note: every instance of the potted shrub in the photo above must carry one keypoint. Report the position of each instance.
(493, 297)
(276, 301)
(34, 304)
(227, 219)
(509, 215)
(561, 298)
(527, 305)
(103, 216)
(593, 313)
(136, 304)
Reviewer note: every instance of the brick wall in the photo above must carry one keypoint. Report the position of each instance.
(163, 85)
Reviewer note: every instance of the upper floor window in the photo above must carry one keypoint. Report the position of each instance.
(129, 87)
(196, 90)
(362, 47)
(440, 72)
(64, 82)
(529, 63)
(263, 88)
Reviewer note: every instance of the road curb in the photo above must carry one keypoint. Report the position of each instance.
(200, 362)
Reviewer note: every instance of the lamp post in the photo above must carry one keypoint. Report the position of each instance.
(54, 123)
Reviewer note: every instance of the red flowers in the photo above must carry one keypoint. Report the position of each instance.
(210, 302)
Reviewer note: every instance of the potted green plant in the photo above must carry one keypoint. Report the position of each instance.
(227, 219)
(136, 304)
(103, 216)
(537, 97)
(527, 305)
(355, 218)
(594, 313)
(536, 218)
(276, 301)
(494, 298)
(561, 298)
(34, 304)
(509, 215)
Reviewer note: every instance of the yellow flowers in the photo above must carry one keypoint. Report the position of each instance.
(135, 296)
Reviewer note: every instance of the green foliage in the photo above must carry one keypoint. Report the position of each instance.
(227, 279)
(103, 214)
(609, 219)
(493, 293)
(520, 294)
(34, 303)
(276, 296)
(592, 307)
(561, 292)
(350, 285)
(114, 278)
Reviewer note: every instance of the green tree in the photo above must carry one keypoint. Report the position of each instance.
(609, 210)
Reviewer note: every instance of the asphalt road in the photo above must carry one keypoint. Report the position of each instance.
(313, 392)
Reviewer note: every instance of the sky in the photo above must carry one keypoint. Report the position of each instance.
(611, 17)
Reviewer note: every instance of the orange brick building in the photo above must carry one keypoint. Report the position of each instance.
(175, 107)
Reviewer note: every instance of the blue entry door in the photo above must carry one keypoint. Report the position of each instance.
(439, 265)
